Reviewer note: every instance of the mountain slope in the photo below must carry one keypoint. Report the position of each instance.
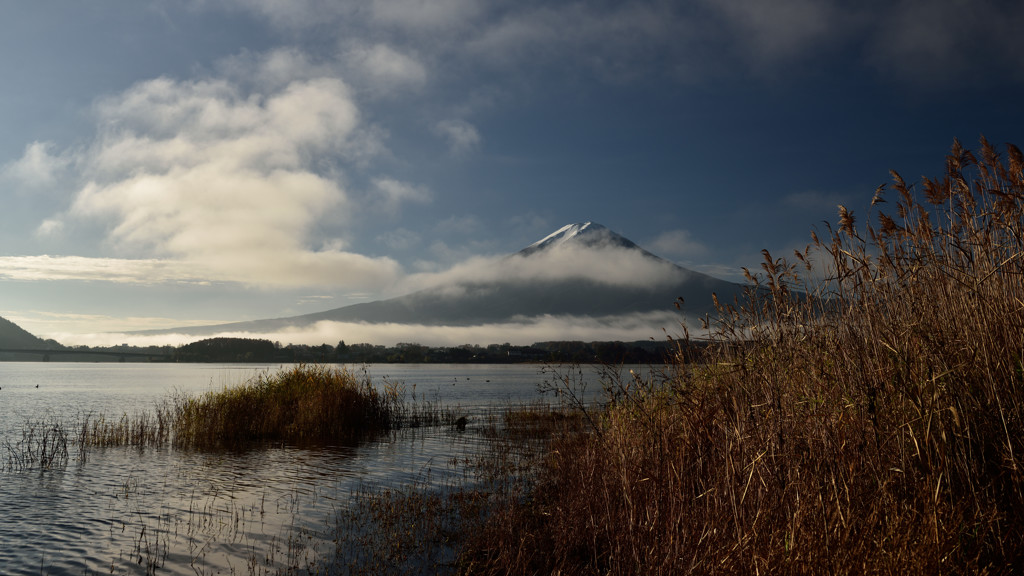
(580, 270)
(13, 336)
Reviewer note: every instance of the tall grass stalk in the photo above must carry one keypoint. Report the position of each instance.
(865, 419)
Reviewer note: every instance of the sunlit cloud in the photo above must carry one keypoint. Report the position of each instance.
(219, 184)
(49, 228)
(143, 271)
(38, 168)
(304, 271)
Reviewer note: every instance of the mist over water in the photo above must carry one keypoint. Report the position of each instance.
(133, 511)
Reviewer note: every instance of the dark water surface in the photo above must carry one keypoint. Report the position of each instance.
(163, 511)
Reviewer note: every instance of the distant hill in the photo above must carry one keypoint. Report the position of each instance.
(580, 270)
(13, 336)
(229, 350)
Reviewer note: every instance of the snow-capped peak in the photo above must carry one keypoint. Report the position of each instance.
(589, 234)
(566, 233)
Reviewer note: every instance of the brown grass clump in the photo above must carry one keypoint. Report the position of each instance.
(866, 420)
(301, 405)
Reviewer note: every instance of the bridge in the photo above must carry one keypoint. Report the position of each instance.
(121, 356)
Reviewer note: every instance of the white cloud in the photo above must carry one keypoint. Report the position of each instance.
(384, 70)
(206, 176)
(49, 228)
(147, 271)
(274, 70)
(395, 37)
(678, 244)
(352, 271)
(611, 265)
(461, 135)
(391, 193)
(37, 168)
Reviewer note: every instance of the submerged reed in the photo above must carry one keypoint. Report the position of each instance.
(141, 430)
(868, 418)
(43, 445)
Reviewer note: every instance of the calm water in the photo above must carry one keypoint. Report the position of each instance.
(121, 510)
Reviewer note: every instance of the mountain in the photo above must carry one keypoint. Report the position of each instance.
(581, 269)
(13, 336)
(589, 234)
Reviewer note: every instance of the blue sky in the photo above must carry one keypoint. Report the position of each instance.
(196, 161)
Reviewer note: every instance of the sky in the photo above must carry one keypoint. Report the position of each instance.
(183, 162)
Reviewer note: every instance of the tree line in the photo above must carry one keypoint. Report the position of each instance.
(258, 350)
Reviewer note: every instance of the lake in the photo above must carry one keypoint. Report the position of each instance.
(167, 511)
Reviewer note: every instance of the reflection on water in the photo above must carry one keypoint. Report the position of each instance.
(132, 511)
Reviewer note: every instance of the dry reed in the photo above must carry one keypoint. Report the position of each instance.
(302, 405)
(868, 419)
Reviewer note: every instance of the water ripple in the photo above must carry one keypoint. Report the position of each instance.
(130, 511)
